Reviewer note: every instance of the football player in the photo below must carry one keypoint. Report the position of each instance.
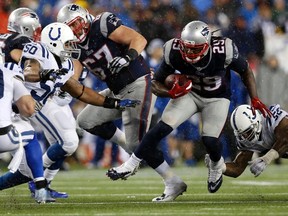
(254, 133)
(47, 68)
(24, 27)
(207, 60)
(111, 51)
(18, 135)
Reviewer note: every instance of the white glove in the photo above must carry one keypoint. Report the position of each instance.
(117, 63)
(257, 166)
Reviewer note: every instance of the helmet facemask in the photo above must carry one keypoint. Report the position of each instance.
(193, 53)
(80, 28)
(70, 51)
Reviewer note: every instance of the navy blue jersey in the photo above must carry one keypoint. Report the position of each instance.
(211, 75)
(97, 50)
(11, 41)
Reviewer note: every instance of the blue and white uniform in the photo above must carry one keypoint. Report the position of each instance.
(56, 120)
(11, 89)
(133, 82)
(267, 136)
(16, 133)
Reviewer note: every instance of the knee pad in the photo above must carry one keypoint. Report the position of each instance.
(71, 143)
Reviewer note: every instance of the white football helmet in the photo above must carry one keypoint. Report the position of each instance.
(77, 18)
(195, 41)
(247, 127)
(25, 21)
(60, 40)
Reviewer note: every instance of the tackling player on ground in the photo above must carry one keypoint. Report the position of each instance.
(266, 136)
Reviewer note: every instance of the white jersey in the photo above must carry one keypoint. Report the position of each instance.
(11, 89)
(41, 91)
(267, 137)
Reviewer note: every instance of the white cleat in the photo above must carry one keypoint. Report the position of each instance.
(215, 175)
(122, 172)
(43, 196)
(173, 188)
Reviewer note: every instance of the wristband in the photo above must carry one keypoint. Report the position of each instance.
(132, 54)
(81, 93)
(271, 155)
(110, 102)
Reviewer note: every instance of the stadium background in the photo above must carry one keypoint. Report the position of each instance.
(258, 27)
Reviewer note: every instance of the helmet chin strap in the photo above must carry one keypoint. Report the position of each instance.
(201, 68)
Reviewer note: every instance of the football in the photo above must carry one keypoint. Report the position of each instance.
(169, 81)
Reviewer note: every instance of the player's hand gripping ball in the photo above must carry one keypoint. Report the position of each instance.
(170, 80)
(178, 85)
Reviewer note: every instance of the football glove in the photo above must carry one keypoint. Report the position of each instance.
(114, 103)
(52, 74)
(122, 104)
(117, 63)
(257, 166)
(257, 104)
(178, 91)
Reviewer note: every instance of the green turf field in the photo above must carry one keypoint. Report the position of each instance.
(92, 193)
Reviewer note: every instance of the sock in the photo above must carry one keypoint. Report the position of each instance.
(164, 171)
(50, 174)
(133, 161)
(33, 153)
(56, 152)
(120, 139)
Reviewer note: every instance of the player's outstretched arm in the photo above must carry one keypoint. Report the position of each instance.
(238, 165)
(279, 148)
(89, 96)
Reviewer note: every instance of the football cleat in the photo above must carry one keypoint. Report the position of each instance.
(173, 188)
(122, 172)
(43, 196)
(215, 175)
(52, 193)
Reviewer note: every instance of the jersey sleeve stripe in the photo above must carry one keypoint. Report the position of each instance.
(103, 25)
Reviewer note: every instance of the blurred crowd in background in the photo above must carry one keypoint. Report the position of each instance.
(258, 27)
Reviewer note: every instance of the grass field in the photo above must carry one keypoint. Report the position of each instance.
(92, 193)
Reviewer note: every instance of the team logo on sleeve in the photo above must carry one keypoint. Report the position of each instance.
(113, 20)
